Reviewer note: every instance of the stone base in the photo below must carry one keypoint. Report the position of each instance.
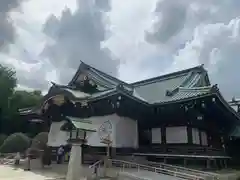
(75, 170)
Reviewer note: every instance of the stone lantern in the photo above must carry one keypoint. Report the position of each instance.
(107, 141)
(78, 129)
(105, 132)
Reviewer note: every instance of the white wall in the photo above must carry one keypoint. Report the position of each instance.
(56, 137)
(94, 138)
(176, 134)
(156, 136)
(124, 132)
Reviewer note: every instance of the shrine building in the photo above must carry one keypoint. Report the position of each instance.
(177, 115)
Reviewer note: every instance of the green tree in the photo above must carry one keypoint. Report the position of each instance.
(17, 142)
(11, 100)
(20, 99)
(8, 82)
(40, 140)
(23, 99)
(2, 138)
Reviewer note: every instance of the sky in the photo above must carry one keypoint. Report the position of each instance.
(45, 40)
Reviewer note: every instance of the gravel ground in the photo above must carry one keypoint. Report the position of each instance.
(56, 172)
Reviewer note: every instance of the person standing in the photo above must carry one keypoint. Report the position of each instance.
(60, 154)
(29, 155)
(17, 158)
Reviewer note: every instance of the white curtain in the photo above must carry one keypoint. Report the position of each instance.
(204, 138)
(176, 134)
(195, 136)
(156, 136)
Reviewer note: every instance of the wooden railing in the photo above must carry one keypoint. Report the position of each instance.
(125, 166)
(184, 169)
(96, 164)
(128, 168)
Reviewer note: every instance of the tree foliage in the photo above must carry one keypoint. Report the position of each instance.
(12, 100)
(8, 82)
(40, 141)
(2, 138)
(17, 142)
(22, 99)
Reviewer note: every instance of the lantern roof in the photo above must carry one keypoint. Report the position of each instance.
(82, 124)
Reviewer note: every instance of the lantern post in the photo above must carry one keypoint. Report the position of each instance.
(77, 137)
(107, 141)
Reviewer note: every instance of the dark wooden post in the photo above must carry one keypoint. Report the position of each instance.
(189, 134)
(200, 137)
(163, 134)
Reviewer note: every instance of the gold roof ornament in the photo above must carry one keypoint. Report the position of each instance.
(58, 100)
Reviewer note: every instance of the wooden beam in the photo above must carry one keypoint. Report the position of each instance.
(189, 134)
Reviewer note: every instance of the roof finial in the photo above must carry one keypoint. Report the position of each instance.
(81, 62)
(53, 83)
(215, 88)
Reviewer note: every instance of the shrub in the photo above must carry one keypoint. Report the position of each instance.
(17, 142)
(40, 140)
(2, 138)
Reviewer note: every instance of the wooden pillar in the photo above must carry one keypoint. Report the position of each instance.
(208, 163)
(82, 153)
(185, 162)
(113, 152)
(221, 163)
(225, 163)
(163, 134)
(165, 160)
(189, 134)
(215, 163)
(200, 136)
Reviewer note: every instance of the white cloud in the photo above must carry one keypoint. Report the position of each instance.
(210, 36)
(23, 55)
(148, 38)
(216, 46)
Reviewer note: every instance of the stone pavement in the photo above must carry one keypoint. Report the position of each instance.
(9, 172)
(58, 172)
(146, 175)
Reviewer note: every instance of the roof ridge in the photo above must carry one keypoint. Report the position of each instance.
(169, 75)
(201, 88)
(105, 74)
(157, 78)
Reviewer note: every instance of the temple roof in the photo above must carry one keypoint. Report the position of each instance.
(183, 85)
(174, 86)
(103, 80)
